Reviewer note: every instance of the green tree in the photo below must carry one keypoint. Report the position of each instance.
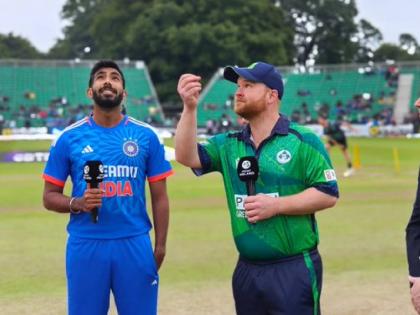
(387, 51)
(409, 44)
(323, 30)
(12, 46)
(77, 35)
(368, 39)
(199, 36)
(173, 37)
(407, 50)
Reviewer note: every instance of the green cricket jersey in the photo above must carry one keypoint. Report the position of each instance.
(291, 160)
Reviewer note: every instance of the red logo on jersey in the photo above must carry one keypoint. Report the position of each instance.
(119, 188)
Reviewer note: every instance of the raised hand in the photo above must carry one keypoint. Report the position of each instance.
(189, 88)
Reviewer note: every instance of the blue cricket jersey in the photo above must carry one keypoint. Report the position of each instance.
(130, 153)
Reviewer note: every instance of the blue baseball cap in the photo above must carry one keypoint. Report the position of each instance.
(257, 72)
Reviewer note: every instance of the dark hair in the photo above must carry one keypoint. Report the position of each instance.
(105, 64)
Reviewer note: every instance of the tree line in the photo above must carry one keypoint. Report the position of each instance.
(177, 36)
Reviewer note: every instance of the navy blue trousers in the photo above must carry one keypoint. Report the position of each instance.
(289, 286)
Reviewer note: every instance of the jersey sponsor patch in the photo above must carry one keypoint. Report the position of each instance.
(239, 202)
(283, 156)
(330, 175)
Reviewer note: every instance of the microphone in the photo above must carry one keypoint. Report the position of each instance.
(248, 172)
(93, 174)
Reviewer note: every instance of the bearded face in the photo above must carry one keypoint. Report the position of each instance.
(247, 108)
(107, 97)
(250, 98)
(107, 88)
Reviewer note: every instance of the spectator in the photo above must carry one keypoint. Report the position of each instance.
(306, 114)
(295, 117)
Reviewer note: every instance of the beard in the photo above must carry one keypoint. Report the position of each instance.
(247, 110)
(107, 102)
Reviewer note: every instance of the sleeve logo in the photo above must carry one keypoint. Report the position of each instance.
(330, 175)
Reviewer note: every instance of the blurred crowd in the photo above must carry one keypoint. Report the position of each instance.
(361, 108)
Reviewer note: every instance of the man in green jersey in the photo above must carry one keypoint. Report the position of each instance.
(279, 270)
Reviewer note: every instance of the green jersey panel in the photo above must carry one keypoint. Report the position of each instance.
(291, 160)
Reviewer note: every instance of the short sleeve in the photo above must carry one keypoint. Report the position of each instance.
(319, 172)
(158, 167)
(57, 168)
(209, 154)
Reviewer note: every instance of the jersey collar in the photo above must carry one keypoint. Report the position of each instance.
(94, 124)
(280, 128)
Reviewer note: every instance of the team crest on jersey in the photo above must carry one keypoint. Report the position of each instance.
(130, 148)
(283, 156)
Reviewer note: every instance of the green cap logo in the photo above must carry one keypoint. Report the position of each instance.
(252, 66)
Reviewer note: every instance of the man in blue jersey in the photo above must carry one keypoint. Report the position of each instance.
(115, 253)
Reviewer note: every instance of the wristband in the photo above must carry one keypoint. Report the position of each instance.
(71, 210)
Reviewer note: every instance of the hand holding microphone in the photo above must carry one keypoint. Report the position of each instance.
(248, 172)
(257, 207)
(93, 174)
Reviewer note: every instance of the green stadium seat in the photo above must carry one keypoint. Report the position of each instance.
(31, 83)
(326, 86)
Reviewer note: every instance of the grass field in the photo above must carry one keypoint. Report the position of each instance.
(362, 239)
